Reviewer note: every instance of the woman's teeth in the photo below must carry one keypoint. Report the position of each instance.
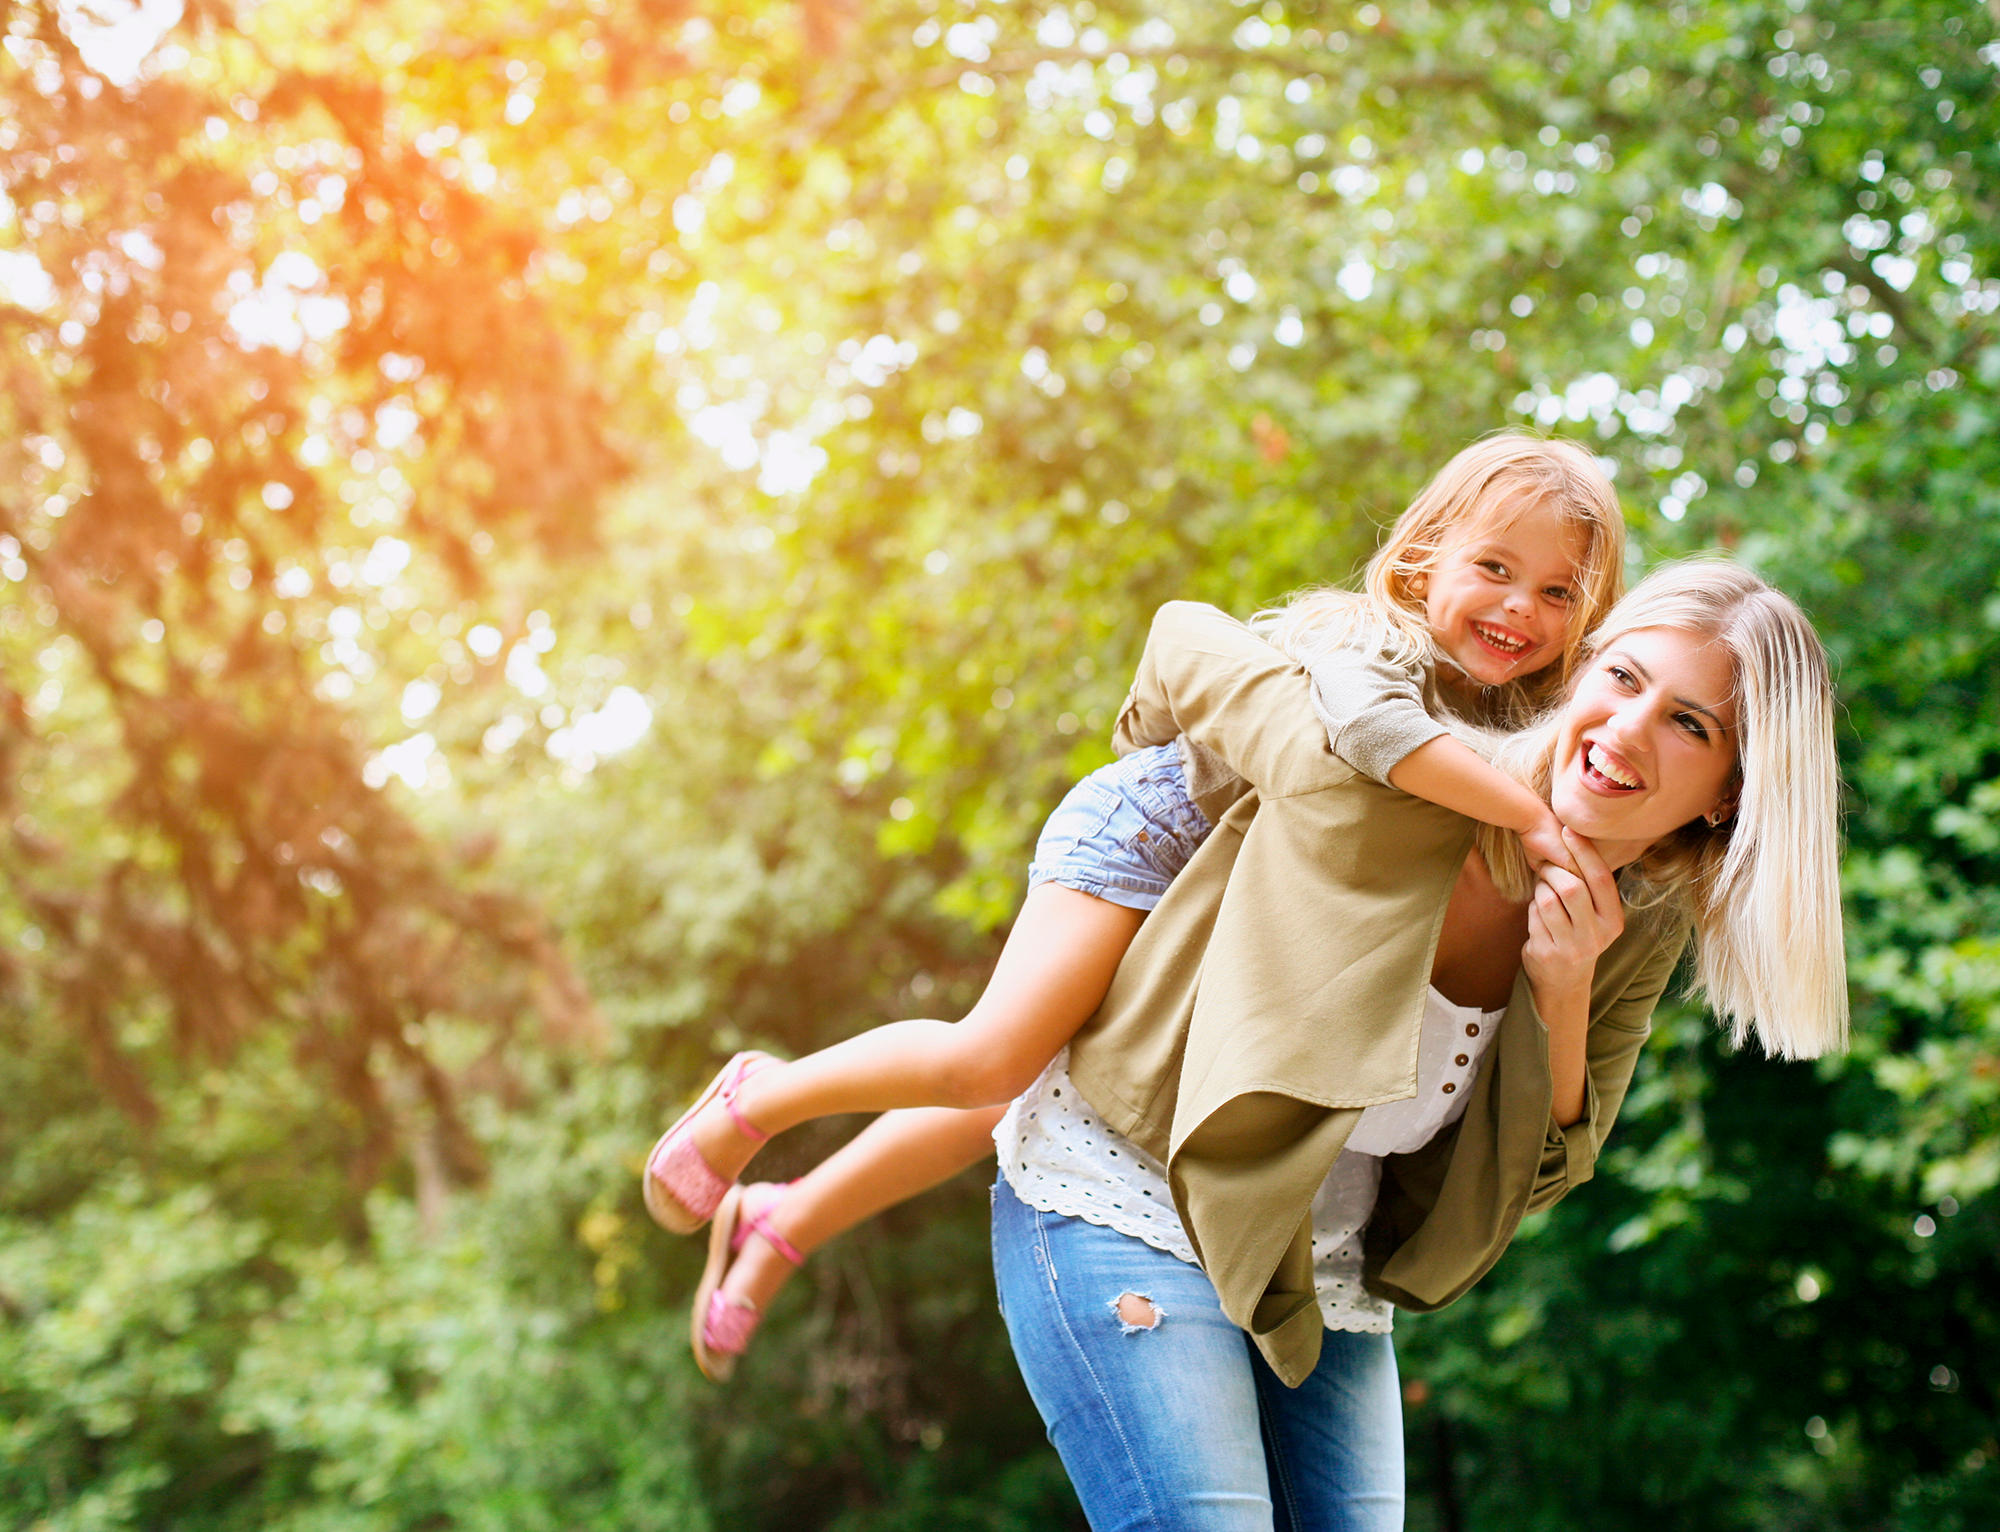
(1602, 764)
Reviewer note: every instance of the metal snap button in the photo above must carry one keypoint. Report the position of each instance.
(1462, 1060)
(1449, 1087)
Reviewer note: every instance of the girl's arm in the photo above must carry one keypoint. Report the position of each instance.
(1207, 676)
(1450, 774)
(1373, 706)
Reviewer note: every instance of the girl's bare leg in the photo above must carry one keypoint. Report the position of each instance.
(894, 1158)
(1052, 975)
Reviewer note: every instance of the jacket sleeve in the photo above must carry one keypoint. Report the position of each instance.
(1207, 677)
(1611, 1053)
(1372, 705)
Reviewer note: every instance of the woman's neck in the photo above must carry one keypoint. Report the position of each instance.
(1621, 853)
(1479, 949)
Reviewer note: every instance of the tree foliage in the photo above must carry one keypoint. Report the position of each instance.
(543, 544)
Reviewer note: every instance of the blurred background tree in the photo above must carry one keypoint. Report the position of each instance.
(541, 544)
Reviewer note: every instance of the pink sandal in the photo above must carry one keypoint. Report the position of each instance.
(682, 1189)
(721, 1326)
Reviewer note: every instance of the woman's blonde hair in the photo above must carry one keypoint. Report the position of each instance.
(1763, 885)
(1495, 478)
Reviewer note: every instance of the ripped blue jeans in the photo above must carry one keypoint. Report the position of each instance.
(1164, 1413)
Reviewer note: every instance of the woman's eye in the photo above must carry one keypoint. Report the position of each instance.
(1692, 724)
(1619, 674)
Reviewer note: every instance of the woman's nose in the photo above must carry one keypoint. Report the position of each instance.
(1626, 725)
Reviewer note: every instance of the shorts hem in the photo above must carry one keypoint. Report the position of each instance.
(1098, 884)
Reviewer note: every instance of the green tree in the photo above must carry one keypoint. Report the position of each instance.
(625, 518)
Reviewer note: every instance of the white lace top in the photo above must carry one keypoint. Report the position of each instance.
(1058, 1156)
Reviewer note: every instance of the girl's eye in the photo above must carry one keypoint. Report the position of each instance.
(1562, 595)
(1494, 567)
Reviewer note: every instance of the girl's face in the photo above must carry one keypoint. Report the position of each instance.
(1499, 599)
(1647, 740)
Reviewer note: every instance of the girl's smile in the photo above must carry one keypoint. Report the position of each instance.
(1500, 601)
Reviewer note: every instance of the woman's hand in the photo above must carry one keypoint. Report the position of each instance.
(1571, 920)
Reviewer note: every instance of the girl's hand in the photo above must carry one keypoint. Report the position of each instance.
(1543, 841)
(1573, 917)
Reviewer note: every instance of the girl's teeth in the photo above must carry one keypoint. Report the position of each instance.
(1500, 640)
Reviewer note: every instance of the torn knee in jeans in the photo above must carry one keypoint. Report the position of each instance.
(1136, 1313)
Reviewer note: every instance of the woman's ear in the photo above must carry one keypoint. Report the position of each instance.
(1726, 803)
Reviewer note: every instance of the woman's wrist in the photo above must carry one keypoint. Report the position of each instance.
(1565, 1012)
(1561, 989)
(1525, 810)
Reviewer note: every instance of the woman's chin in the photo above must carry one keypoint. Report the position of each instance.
(1580, 810)
(1605, 822)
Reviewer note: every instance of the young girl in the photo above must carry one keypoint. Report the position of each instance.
(1474, 608)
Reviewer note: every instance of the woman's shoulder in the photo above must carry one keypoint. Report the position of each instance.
(1331, 624)
(1328, 631)
(1659, 925)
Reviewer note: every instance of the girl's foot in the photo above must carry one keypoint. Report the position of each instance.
(695, 1161)
(748, 1261)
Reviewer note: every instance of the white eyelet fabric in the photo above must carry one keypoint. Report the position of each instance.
(1059, 1156)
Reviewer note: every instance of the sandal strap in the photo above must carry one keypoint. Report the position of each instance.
(759, 1224)
(740, 1069)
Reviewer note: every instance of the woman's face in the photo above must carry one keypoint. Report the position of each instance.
(1647, 740)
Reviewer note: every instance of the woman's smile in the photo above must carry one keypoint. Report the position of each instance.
(1647, 741)
(1607, 772)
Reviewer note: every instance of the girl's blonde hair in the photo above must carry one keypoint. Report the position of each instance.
(1763, 886)
(1494, 478)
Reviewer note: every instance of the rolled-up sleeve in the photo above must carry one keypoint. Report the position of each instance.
(1611, 1053)
(1372, 705)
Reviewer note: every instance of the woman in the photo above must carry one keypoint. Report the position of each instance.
(1277, 1007)
(1281, 989)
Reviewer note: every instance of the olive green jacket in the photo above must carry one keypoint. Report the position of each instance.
(1279, 987)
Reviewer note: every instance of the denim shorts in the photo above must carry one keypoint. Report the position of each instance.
(1124, 831)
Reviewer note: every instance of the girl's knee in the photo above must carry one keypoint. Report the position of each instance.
(967, 1083)
(974, 1069)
